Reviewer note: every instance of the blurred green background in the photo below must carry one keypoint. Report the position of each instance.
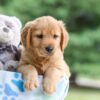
(82, 19)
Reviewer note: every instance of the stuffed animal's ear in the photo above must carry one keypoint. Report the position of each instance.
(64, 36)
(26, 36)
(18, 22)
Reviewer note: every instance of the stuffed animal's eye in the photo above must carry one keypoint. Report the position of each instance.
(55, 36)
(8, 26)
(39, 36)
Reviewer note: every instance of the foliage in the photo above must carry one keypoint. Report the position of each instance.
(83, 53)
(30, 9)
(82, 14)
(78, 14)
(84, 47)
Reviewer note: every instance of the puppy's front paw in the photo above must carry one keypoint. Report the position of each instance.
(49, 86)
(31, 82)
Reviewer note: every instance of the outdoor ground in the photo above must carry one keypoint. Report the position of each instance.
(83, 94)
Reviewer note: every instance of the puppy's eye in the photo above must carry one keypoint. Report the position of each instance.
(55, 36)
(39, 36)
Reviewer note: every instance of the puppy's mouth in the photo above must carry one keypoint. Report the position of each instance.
(44, 53)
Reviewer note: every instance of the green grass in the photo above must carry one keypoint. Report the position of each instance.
(83, 94)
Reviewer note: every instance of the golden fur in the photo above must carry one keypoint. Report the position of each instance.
(36, 36)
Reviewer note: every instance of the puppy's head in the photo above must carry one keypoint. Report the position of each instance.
(44, 36)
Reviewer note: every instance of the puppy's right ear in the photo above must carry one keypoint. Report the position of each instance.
(64, 35)
(26, 35)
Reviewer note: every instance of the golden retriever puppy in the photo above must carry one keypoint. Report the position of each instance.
(44, 40)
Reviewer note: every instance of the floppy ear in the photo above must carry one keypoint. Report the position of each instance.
(64, 36)
(26, 36)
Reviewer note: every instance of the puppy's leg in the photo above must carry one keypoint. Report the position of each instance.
(30, 75)
(51, 79)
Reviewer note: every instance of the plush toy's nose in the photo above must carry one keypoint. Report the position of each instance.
(5, 29)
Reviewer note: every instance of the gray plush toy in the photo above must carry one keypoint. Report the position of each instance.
(9, 40)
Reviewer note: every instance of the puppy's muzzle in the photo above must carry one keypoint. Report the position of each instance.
(49, 49)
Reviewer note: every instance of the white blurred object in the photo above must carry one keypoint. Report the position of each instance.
(87, 82)
(10, 27)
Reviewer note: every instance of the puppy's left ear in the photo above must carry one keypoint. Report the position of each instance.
(64, 36)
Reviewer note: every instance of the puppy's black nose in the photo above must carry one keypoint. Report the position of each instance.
(5, 29)
(49, 49)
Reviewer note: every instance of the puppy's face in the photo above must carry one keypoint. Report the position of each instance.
(44, 36)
